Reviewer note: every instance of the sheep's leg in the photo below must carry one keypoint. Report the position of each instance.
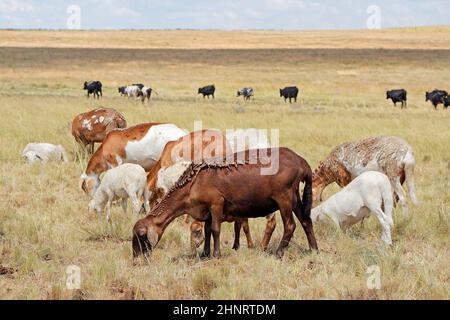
(246, 227)
(289, 228)
(146, 200)
(207, 247)
(409, 177)
(307, 225)
(398, 189)
(237, 234)
(136, 203)
(124, 205)
(386, 228)
(108, 210)
(270, 227)
(216, 213)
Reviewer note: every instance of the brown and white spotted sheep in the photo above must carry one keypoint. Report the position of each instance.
(93, 126)
(390, 155)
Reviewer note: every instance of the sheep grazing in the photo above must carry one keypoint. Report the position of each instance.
(125, 181)
(390, 155)
(366, 194)
(43, 152)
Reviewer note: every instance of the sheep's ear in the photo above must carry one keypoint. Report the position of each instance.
(152, 236)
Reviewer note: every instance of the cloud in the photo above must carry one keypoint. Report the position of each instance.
(222, 14)
(11, 6)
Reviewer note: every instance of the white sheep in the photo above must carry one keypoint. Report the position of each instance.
(168, 176)
(125, 181)
(43, 152)
(366, 194)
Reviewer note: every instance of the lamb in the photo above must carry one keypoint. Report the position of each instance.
(44, 152)
(125, 181)
(368, 193)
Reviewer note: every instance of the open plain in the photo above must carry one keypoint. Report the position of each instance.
(342, 76)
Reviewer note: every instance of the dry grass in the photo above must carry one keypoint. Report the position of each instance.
(403, 38)
(44, 223)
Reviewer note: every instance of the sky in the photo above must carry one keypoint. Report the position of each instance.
(222, 14)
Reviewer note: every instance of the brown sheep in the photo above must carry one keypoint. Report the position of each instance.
(93, 126)
(214, 191)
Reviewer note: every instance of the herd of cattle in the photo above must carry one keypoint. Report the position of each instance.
(213, 178)
(139, 91)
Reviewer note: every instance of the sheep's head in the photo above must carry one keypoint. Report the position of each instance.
(145, 237)
(94, 207)
(32, 157)
(88, 184)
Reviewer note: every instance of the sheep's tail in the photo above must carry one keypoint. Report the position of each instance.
(307, 197)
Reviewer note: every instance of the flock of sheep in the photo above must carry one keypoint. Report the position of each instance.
(214, 178)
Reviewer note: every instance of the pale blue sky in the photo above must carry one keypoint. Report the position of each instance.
(221, 14)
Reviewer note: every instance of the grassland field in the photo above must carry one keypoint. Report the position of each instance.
(342, 76)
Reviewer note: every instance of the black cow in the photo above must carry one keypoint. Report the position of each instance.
(94, 87)
(289, 92)
(398, 95)
(436, 97)
(207, 91)
(139, 85)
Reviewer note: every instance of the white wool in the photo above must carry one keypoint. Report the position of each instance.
(365, 195)
(168, 176)
(246, 139)
(43, 152)
(125, 181)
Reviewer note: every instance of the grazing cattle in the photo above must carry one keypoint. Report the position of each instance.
(132, 91)
(398, 95)
(436, 97)
(125, 181)
(214, 191)
(43, 152)
(93, 126)
(207, 91)
(370, 192)
(145, 92)
(141, 144)
(392, 156)
(247, 93)
(94, 87)
(446, 102)
(289, 92)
